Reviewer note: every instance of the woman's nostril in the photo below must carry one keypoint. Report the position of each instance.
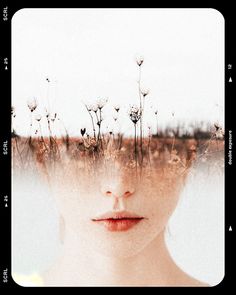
(118, 194)
(127, 193)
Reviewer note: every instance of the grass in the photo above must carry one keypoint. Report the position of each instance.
(175, 148)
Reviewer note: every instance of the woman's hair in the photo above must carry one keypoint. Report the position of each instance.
(90, 155)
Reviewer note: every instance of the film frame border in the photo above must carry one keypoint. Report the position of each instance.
(7, 12)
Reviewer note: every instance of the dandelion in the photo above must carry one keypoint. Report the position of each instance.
(47, 79)
(95, 108)
(32, 104)
(139, 61)
(89, 107)
(99, 106)
(117, 108)
(156, 112)
(115, 118)
(144, 92)
(135, 114)
(101, 103)
(38, 117)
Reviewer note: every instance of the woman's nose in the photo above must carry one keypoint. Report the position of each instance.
(117, 191)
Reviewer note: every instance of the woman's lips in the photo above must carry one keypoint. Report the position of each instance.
(118, 221)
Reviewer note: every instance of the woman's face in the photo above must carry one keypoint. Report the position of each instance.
(113, 210)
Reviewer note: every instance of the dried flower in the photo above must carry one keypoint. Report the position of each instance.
(95, 108)
(101, 103)
(47, 114)
(82, 131)
(135, 114)
(32, 104)
(139, 61)
(217, 127)
(38, 117)
(89, 107)
(219, 133)
(115, 118)
(13, 112)
(53, 118)
(117, 108)
(144, 92)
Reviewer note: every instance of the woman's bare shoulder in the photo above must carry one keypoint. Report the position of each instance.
(184, 279)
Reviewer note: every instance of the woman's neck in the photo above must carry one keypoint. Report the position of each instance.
(78, 267)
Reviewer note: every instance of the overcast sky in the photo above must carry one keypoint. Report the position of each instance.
(90, 53)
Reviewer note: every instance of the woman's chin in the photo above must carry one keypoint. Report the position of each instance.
(117, 244)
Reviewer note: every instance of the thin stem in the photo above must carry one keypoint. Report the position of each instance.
(135, 148)
(157, 128)
(99, 124)
(141, 114)
(94, 130)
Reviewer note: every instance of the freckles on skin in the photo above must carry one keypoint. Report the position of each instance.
(153, 196)
(80, 198)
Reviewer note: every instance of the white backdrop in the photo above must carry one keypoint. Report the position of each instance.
(90, 53)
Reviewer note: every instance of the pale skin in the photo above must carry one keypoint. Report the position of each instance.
(94, 256)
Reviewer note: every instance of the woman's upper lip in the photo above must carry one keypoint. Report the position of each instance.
(117, 215)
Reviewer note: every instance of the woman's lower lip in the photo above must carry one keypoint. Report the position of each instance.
(122, 224)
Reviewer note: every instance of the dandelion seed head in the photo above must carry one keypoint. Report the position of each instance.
(32, 104)
(134, 113)
(144, 92)
(101, 103)
(117, 108)
(95, 108)
(89, 107)
(38, 117)
(139, 60)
